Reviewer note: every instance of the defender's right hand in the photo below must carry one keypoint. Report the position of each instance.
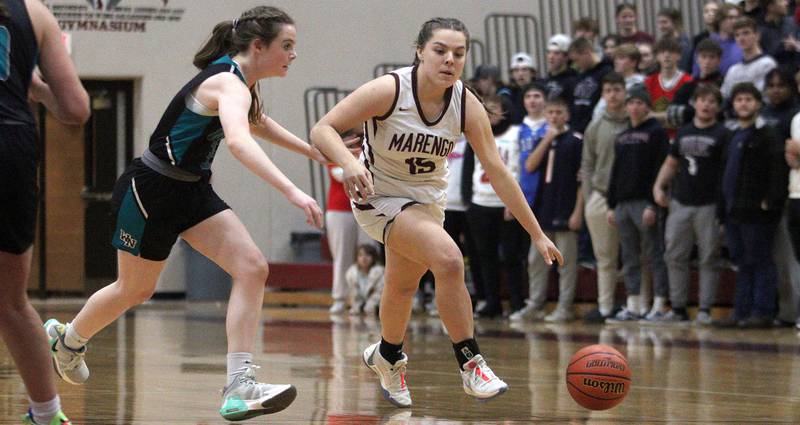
(309, 206)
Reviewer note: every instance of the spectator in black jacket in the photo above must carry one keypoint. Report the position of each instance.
(781, 107)
(754, 185)
(587, 88)
(777, 26)
(638, 154)
(560, 76)
(681, 111)
(523, 72)
(782, 104)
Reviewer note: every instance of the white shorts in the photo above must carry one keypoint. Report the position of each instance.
(377, 215)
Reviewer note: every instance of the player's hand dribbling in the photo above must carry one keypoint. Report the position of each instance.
(357, 181)
(548, 251)
(309, 206)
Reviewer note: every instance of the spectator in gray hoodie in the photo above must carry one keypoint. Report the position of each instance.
(596, 161)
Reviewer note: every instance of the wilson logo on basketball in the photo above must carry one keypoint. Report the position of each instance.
(605, 363)
(606, 387)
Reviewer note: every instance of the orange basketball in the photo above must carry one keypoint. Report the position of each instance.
(598, 377)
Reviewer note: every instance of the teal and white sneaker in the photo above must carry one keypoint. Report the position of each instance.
(58, 419)
(245, 398)
(68, 363)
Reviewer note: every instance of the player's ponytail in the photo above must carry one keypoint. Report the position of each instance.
(233, 36)
(219, 44)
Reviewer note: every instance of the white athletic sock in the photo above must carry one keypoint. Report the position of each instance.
(634, 302)
(237, 364)
(44, 412)
(659, 303)
(72, 340)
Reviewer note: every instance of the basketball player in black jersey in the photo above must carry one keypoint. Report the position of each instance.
(166, 193)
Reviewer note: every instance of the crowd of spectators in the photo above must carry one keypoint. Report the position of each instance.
(643, 156)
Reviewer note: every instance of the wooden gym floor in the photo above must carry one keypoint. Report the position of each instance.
(164, 363)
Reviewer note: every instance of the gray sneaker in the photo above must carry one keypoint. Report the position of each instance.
(245, 398)
(624, 316)
(669, 318)
(338, 307)
(703, 319)
(68, 363)
(528, 313)
(560, 316)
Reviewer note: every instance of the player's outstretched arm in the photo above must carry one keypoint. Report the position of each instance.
(479, 135)
(233, 100)
(269, 130)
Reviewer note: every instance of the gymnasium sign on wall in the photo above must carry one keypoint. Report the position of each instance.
(113, 15)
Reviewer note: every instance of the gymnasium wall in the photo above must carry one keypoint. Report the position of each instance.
(339, 43)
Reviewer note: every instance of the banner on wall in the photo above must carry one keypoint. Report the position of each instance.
(131, 16)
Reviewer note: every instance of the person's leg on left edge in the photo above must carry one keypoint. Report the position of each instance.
(22, 332)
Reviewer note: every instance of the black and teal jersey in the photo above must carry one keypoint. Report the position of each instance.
(189, 133)
(18, 55)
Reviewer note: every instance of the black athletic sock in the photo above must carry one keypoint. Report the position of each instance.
(681, 311)
(391, 352)
(465, 350)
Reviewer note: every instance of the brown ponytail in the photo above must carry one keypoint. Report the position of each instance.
(234, 36)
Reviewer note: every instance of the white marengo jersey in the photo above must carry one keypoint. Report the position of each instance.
(405, 151)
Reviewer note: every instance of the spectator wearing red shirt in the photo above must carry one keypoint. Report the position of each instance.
(344, 235)
(663, 85)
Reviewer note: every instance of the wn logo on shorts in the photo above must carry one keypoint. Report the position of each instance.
(130, 225)
(127, 239)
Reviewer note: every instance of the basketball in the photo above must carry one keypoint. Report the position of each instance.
(598, 377)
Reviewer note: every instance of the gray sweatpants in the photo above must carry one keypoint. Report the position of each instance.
(538, 271)
(687, 225)
(636, 239)
(605, 243)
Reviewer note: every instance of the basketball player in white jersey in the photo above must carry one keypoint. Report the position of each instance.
(412, 119)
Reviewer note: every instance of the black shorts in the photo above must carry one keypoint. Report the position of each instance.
(151, 210)
(19, 189)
